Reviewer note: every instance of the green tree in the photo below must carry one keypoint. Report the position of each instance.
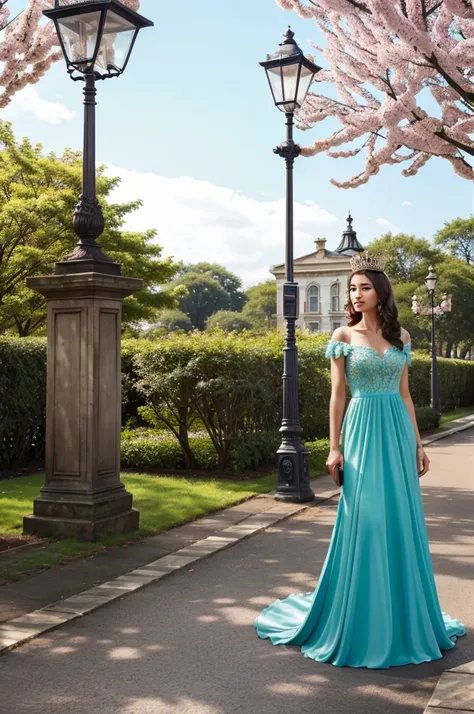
(37, 198)
(173, 320)
(407, 257)
(455, 330)
(261, 305)
(228, 321)
(457, 237)
(203, 296)
(228, 281)
(418, 328)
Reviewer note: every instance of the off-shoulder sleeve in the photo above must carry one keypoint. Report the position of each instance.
(336, 348)
(407, 351)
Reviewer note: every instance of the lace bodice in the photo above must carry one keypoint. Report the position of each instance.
(369, 373)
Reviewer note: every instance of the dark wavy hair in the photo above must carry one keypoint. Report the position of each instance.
(388, 314)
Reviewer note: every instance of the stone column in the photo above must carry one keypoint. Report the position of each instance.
(83, 496)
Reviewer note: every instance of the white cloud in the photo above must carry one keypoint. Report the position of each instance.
(197, 220)
(406, 203)
(51, 112)
(387, 224)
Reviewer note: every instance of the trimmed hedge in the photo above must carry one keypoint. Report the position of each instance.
(455, 377)
(236, 388)
(164, 452)
(146, 449)
(155, 451)
(427, 418)
(22, 401)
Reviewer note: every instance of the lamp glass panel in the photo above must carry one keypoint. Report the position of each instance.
(79, 35)
(291, 74)
(431, 283)
(66, 3)
(115, 45)
(305, 81)
(275, 77)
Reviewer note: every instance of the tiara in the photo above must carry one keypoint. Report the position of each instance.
(365, 261)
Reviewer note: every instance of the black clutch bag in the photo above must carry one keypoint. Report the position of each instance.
(339, 475)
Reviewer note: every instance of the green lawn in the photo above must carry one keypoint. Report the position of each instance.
(457, 414)
(163, 502)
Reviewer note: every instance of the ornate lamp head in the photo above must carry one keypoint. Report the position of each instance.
(365, 261)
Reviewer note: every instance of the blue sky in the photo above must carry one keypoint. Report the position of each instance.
(190, 128)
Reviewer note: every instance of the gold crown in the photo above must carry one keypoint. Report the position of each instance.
(365, 261)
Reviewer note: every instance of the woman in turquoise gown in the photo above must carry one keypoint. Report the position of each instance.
(375, 604)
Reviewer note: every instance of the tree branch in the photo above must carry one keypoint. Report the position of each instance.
(458, 144)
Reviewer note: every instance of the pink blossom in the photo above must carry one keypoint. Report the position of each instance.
(380, 58)
(29, 47)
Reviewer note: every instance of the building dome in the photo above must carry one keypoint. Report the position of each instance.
(349, 244)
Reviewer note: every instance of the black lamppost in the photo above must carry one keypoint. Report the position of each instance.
(433, 311)
(430, 282)
(289, 75)
(97, 38)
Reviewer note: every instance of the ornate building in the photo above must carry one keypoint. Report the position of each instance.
(322, 277)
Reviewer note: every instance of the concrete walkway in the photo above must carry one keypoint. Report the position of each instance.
(186, 642)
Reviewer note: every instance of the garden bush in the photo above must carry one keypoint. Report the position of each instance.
(229, 385)
(318, 453)
(142, 450)
(456, 382)
(22, 401)
(427, 418)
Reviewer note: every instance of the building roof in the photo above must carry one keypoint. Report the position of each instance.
(349, 244)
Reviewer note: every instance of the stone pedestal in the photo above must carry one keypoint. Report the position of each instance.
(82, 496)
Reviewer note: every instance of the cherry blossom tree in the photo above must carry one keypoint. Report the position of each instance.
(29, 45)
(403, 75)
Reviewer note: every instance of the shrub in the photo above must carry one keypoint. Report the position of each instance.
(22, 401)
(254, 450)
(318, 453)
(427, 418)
(227, 384)
(151, 452)
(155, 451)
(456, 382)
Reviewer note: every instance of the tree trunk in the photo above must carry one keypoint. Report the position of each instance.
(464, 351)
(183, 437)
(224, 453)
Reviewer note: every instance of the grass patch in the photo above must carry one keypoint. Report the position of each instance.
(456, 414)
(163, 502)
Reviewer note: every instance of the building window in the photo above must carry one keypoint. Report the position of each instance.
(313, 327)
(335, 297)
(313, 294)
(335, 325)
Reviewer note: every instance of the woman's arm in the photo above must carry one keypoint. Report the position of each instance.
(423, 461)
(337, 401)
(336, 405)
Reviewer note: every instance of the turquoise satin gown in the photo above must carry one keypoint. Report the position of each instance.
(375, 604)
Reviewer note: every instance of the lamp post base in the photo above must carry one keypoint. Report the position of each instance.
(293, 472)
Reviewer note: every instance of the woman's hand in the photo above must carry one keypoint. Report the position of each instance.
(422, 461)
(335, 457)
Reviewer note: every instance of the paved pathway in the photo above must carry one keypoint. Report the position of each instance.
(186, 644)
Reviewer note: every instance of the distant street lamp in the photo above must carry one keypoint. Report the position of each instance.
(97, 38)
(290, 75)
(434, 311)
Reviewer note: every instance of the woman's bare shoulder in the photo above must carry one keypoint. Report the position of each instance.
(342, 334)
(405, 335)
